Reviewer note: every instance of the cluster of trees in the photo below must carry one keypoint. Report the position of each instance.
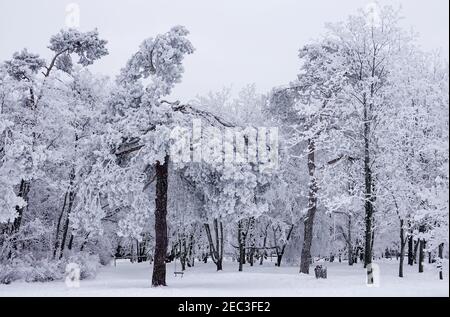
(371, 110)
(87, 164)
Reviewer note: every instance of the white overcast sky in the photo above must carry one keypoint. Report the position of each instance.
(237, 41)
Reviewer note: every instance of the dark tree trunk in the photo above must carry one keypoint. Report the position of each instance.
(84, 242)
(244, 234)
(349, 241)
(421, 249)
(222, 244)
(183, 263)
(356, 252)
(24, 189)
(159, 265)
(251, 256)
(132, 259)
(218, 231)
(69, 246)
(261, 260)
(280, 253)
(369, 197)
(216, 250)
(66, 224)
(441, 257)
(416, 248)
(143, 256)
(242, 239)
(185, 255)
(64, 236)
(118, 251)
(241, 246)
(371, 243)
(279, 258)
(410, 250)
(402, 248)
(312, 206)
(58, 227)
(70, 204)
(63, 219)
(421, 254)
(182, 251)
(191, 255)
(251, 253)
(350, 255)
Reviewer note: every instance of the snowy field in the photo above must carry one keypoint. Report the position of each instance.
(127, 279)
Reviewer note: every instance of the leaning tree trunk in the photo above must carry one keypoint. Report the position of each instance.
(63, 218)
(216, 250)
(283, 248)
(312, 207)
(62, 227)
(159, 265)
(56, 247)
(66, 224)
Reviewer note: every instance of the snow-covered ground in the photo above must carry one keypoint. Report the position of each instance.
(127, 279)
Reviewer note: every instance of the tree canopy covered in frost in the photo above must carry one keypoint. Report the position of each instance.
(349, 160)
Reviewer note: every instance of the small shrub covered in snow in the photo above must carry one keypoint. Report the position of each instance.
(43, 271)
(88, 263)
(29, 269)
(9, 273)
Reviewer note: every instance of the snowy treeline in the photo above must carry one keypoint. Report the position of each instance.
(93, 167)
